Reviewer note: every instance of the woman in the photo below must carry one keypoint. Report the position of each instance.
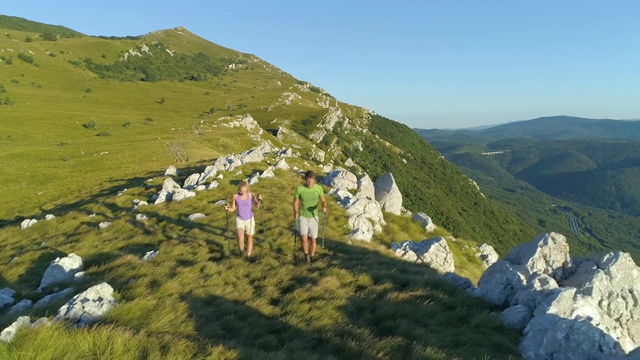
(244, 201)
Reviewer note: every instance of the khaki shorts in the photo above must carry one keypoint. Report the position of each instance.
(308, 226)
(249, 226)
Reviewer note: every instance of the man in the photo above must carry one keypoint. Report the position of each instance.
(305, 212)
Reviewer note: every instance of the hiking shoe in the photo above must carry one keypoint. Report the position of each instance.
(243, 254)
(250, 259)
(311, 260)
(307, 258)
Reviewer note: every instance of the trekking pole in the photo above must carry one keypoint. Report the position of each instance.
(226, 234)
(295, 239)
(264, 229)
(324, 216)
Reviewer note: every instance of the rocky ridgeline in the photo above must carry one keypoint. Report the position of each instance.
(81, 310)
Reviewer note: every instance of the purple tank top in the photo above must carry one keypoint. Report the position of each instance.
(244, 207)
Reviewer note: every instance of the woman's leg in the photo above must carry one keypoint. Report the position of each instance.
(241, 240)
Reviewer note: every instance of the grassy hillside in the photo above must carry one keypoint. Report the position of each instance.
(46, 31)
(111, 108)
(196, 301)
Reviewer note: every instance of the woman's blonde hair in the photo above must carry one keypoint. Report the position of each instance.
(243, 183)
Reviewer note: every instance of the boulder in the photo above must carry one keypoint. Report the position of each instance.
(49, 217)
(268, 173)
(254, 179)
(500, 282)
(538, 287)
(61, 270)
(49, 299)
(433, 252)
(349, 162)
(209, 172)
(8, 334)
(547, 254)
(282, 164)
(425, 221)
(460, 281)
(27, 223)
(366, 187)
(487, 254)
(361, 228)
(171, 171)
(191, 182)
(141, 217)
(516, 317)
(360, 204)
(89, 306)
(21, 306)
(104, 224)
(152, 254)
(340, 178)
(388, 194)
(182, 194)
(6, 298)
(197, 216)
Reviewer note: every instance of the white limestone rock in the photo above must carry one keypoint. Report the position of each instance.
(209, 172)
(282, 164)
(388, 194)
(366, 187)
(547, 254)
(487, 254)
(141, 217)
(197, 216)
(500, 282)
(349, 163)
(536, 290)
(340, 178)
(149, 255)
(49, 217)
(434, 252)
(171, 171)
(89, 306)
(360, 204)
(8, 334)
(61, 270)
(191, 182)
(362, 229)
(182, 194)
(425, 221)
(268, 173)
(516, 317)
(104, 224)
(27, 223)
(254, 179)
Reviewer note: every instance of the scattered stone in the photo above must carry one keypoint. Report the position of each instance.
(49, 299)
(27, 223)
(171, 171)
(349, 162)
(220, 202)
(141, 217)
(104, 225)
(201, 187)
(268, 173)
(282, 164)
(61, 270)
(209, 172)
(212, 185)
(340, 178)
(197, 216)
(21, 306)
(11, 331)
(49, 217)
(253, 179)
(150, 255)
(516, 317)
(88, 307)
(6, 298)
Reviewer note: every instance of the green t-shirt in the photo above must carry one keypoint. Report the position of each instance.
(309, 199)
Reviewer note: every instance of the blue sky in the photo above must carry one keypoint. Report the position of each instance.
(428, 64)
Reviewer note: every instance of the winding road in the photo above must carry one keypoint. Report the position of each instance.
(572, 220)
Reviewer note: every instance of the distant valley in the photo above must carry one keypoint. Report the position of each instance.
(590, 166)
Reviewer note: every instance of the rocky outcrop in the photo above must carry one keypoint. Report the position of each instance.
(433, 252)
(340, 178)
(171, 171)
(388, 194)
(61, 270)
(8, 334)
(566, 310)
(171, 191)
(6, 298)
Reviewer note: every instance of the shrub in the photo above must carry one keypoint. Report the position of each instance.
(126, 125)
(104, 133)
(26, 58)
(148, 121)
(87, 90)
(161, 101)
(49, 37)
(15, 81)
(28, 39)
(2, 89)
(9, 61)
(8, 101)
(52, 54)
(91, 124)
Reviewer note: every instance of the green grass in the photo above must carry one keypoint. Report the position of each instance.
(196, 301)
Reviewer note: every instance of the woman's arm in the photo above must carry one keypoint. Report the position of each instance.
(233, 203)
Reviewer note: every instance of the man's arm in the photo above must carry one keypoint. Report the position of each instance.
(324, 203)
(296, 208)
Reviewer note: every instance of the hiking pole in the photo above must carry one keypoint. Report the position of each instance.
(324, 216)
(226, 234)
(295, 239)
(264, 229)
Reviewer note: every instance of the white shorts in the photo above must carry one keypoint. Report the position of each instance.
(308, 226)
(249, 226)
